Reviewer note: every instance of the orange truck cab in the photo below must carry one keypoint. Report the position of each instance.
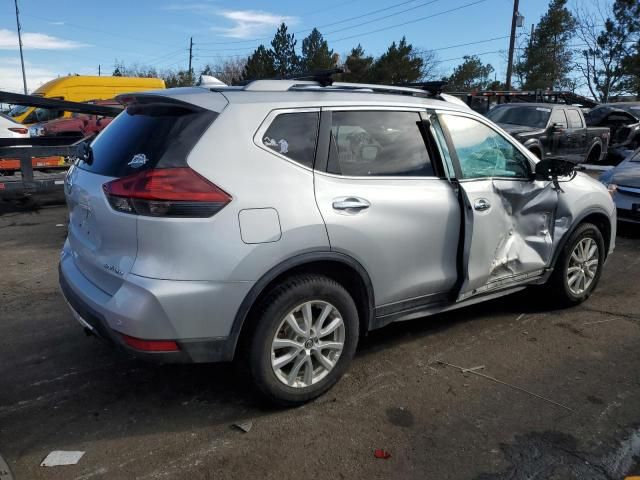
(81, 88)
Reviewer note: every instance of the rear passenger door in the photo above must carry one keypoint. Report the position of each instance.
(558, 145)
(387, 204)
(577, 135)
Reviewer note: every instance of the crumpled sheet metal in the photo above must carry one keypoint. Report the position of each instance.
(527, 241)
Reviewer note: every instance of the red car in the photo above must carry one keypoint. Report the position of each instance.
(80, 125)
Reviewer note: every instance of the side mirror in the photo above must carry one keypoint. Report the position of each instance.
(552, 168)
(556, 128)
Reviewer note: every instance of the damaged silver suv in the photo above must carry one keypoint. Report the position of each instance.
(278, 222)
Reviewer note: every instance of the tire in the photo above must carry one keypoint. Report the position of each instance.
(536, 152)
(320, 293)
(562, 293)
(594, 155)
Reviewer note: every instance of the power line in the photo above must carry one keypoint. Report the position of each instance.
(359, 34)
(462, 44)
(423, 4)
(408, 22)
(469, 55)
(107, 32)
(373, 12)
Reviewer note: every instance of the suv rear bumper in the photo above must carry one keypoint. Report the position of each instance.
(158, 310)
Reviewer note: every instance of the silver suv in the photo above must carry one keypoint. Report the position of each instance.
(278, 222)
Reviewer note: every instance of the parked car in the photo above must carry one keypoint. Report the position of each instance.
(9, 128)
(623, 119)
(623, 182)
(78, 125)
(278, 222)
(553, 130)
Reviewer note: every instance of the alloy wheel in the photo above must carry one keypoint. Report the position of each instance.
(307, 344)
(583, 266)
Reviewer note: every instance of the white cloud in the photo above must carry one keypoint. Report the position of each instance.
(249, 23)
(55, 23)
(35, 41)
(11, 75)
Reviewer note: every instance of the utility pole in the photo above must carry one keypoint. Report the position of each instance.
(24, 76)
(512, 43)
(190, 56)
(99, 71)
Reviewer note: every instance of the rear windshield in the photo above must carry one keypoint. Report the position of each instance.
(536, 117)
(147, 136)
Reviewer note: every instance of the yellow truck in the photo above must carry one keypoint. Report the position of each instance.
(81, 88)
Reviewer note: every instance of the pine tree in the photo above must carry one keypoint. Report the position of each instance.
(358, 66)
(397, 65)
(285, 59)
(315, 53)
(259, 65)
(547, 60)
(470, 75)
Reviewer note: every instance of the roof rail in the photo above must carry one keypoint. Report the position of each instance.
(323, 79)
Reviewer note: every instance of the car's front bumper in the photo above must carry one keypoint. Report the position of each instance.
(627, 200)
(198, 316)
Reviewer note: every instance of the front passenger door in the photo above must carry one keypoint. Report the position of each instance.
(508, 215)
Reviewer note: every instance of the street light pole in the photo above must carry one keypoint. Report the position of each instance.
(512, 42)
(24, 77)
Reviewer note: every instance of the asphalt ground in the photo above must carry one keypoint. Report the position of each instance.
(557, 397)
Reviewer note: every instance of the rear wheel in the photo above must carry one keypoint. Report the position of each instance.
(594, 155)
(579, 266)
(304, 339)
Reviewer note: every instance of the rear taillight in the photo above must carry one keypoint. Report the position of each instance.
(167, 192)
(20, 130)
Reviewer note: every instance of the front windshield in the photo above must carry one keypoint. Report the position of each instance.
(18, 110)
(528, 116)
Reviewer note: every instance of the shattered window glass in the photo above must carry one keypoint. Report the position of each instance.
(294, 136)
(483, 152)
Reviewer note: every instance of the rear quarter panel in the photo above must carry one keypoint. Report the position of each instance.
(212, 248)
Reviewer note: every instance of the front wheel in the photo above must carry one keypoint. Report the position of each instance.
(578, 267)
(305, 337)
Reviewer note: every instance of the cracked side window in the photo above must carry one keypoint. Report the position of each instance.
(483, 152)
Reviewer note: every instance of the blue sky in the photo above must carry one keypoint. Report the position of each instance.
(68, 36)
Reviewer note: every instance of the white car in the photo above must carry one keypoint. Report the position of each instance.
(9, 128)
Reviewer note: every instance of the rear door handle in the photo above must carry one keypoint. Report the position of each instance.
(353, 204)
(481, 204)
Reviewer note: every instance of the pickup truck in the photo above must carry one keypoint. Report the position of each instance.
(553, 130)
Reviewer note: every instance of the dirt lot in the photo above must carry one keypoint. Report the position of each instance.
(60, 390)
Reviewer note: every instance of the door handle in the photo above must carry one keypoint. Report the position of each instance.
(481, 205)
(350, 203)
